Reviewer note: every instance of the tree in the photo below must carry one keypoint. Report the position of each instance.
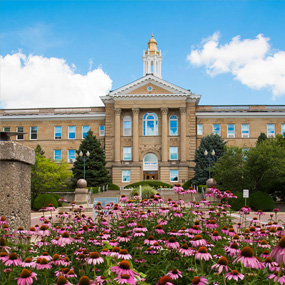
(96, 173)
(262, 137)
(209, 143)
(39, 150)
(229, 171)
(47, 175)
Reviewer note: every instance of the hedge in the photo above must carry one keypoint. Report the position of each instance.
(43, 200)
(152, 183)
(187, 184)
(238, 203)
(57, 197)
(112, 186)
(261, 201)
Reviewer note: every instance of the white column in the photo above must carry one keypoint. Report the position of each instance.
(117, 134)
(164, 130)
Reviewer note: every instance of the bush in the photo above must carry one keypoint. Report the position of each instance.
(187, 184)
(57, 197)
(112, 186)
(261, 201)
(238, 203)
(200, 188)
(43, 200)
(95, 189)
(152, 183)
(147, 191)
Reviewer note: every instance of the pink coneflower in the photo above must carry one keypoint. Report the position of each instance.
(185, 250)
(156, 246)
(274, 276)
(113, 242)
(115, 251)
(247, 258)
(278, 252)
(172, 243)
(3, 220)
(198, 241)
(216, 236)
(61, 280)
(165, 280)
(140, 228)
(61, 272)
(151, 251)
(150, 240)
(124, 254)
(71, 274)
(175, 274)
(105, 251)
(203, 254)
(12, 259)
(124, 237)
(232, 250)
(94, 258)
(42, 263)
(235, 275)
(64, 239)
(124, 267)
(46, 256)
(3, 256)
(263, 244)
(126, 279)
(199, 281)
(50, 207)
(212, 224)
(44, 231)
(221, 265)
(26, 277)
(28, 263)
(270, 264)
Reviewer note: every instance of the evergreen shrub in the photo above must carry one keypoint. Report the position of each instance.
(147, 191)
(43, 200)
(57, 197)
(112, 186)
(261, 201)
(187, 184)
(152, 183)
(238, 203)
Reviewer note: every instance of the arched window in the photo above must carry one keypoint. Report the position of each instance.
(127, 126)
(150, 124)
(173, 125)
(150, 162)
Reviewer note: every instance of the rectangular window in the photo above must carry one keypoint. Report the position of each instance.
(173, 126)
(101, 131)
(217, 129)
(270, 130)
(85, 130)
(174, 175)
(127, 128)
(283, 130)
(231, 131)
(33, 133)
(6, 129)
(71, 132)
(173, 153)
(57, 154)
(199, 130)
(57, 132)
(126, 175)
(245, 130)
(71, 155)
(127, 153)
(20, 136)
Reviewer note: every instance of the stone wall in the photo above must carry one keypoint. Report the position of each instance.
(15, 183)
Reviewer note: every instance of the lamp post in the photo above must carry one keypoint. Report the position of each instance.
(209, 156)
(85, 157)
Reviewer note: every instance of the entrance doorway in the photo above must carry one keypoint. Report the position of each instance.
(150, 175)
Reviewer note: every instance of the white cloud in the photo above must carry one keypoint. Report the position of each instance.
(36, 81)
(251, 61)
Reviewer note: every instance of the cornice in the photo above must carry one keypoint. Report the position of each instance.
(201, 115)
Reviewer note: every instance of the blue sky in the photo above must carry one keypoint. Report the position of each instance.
(113, 34)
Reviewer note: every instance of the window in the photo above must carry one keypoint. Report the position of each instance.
(127, 127)
(217, 129)
(244, 153)
(85, 130)
(173, 153)
(71, 132)
(174, 175)
(34, 133)
(150, 162)
(231, 131)
(71, 155)
(173, 126)
(150, 124)
(199, 130)
(126, 175)
(127, 153)
(57, 154)
(101, 131)
(20, 136)
(283, 130)
(6, 129)
(270, 130)
(57, 132)
(245, 130)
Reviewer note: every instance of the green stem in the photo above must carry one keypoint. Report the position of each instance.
(279, 274)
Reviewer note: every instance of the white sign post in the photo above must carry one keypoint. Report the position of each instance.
(245, 195)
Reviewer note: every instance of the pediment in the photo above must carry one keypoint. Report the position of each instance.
(151, 88)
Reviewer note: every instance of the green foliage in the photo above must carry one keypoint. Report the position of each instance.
(96, 173)
(39, 150)
(238, 203)
(95, 189)
(112, 186)
(187, 184)
(47, 175)
(202, 186)
(147, 191)
(261, 201)
(152, 183)
(43, 200)
(209, 143)
(56, 196)
(262, 137)
(229, 171)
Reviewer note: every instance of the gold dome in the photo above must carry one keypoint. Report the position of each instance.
(152, 46)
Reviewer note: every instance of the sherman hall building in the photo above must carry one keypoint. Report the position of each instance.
(149, 128)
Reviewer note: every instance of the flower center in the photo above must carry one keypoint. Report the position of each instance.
(235, 272)
(2, 241)
(215, 233)
(116, 249)
(94, 255)
(125, 276)
(202, 249)
(150, 238)
(43, 261)
(43, 228)
(234, 245)
(123, 251)
(159, 227)
(28, 260)
(56, 257)
(13, 256)
(124, 264)
(174, 271)
(185, 246)
(282, 242)
(25, 273)
(61, 280)
(65, 235)
(263, 242)
(222, 261)
(172, 239)
(163, 280)
(124, 234)
(247, 252)
(196, 280)
(84, 280)
(198, 237)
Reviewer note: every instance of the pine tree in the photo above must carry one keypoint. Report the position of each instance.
(262, 137)
(96, 173)
(209, 143)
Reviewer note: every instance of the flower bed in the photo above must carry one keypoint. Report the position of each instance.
(146, 242)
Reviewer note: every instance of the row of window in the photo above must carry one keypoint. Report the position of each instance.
(173, 153)
(57, 155)
(57, 132)
(231, 132)
(174, 175)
